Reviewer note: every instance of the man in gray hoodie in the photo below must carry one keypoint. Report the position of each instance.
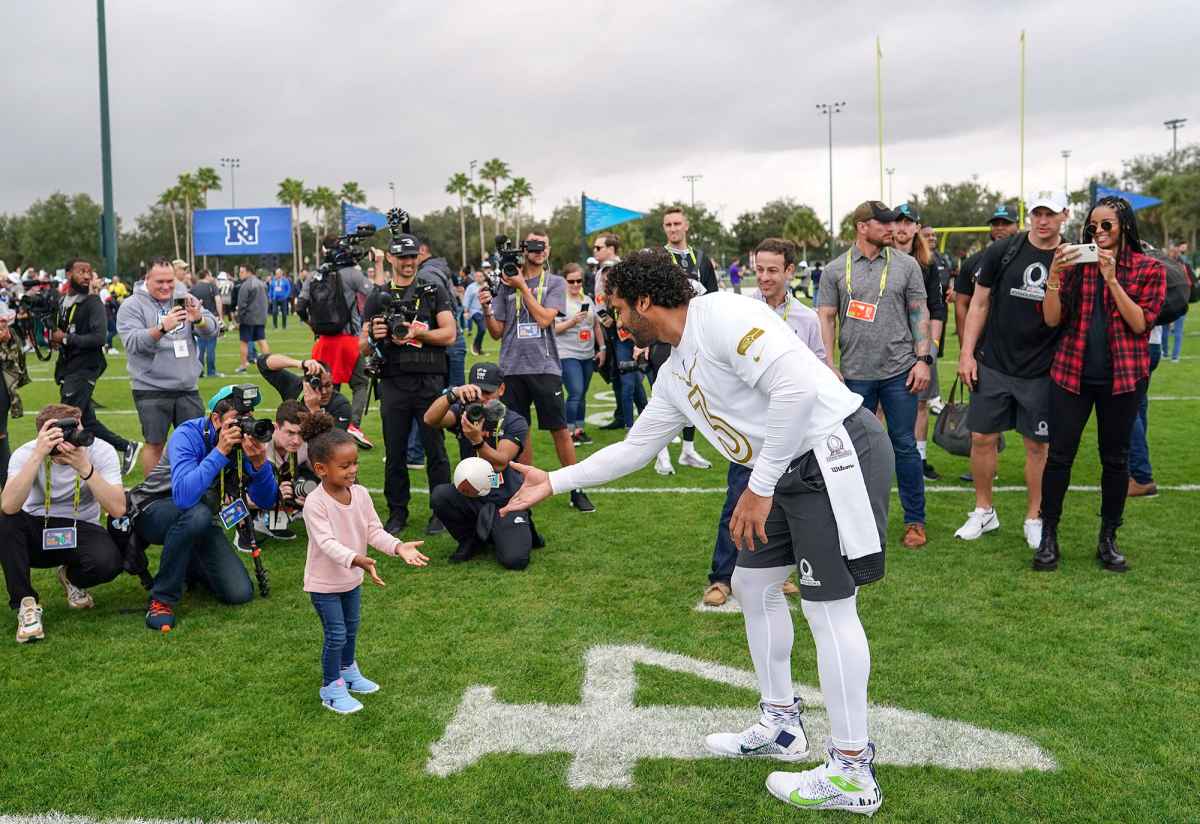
(157, 325)
(251, 314)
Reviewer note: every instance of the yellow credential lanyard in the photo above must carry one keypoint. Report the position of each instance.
(887, 261)
(46, 500)
(689, 253)
(541, 291)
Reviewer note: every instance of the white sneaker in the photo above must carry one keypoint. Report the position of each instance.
(688, 456)
(978, 522)
(76, 598)
(842, 783)
(779, 734)
(936, 405)
(29, 621)
(1033, 532)
(662, 464)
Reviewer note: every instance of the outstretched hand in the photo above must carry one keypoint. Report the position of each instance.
(534, 490)
(368, 563)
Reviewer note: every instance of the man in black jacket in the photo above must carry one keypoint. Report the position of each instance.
(79, 336)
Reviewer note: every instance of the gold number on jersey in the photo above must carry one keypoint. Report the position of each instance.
(736, 445)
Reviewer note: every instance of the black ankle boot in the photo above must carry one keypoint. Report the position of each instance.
(1045, 559)
(1106, 550)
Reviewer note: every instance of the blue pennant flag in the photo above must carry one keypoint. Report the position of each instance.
(599, 215)
(353, 215)
(1135, 200)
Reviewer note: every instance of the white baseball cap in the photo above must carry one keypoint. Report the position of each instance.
(1053, 201)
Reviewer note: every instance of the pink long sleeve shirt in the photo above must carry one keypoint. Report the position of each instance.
(336, 533)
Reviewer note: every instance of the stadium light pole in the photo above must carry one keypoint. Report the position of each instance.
(829, 110)
(108, 226)
(891, 196)
(1066, 156)
(231, 163)
(692, 180)
(392, 186)
(1174, 124)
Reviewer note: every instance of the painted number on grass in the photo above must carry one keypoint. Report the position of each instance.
(607, 735)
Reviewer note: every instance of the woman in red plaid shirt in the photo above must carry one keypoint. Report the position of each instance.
(1106, 311)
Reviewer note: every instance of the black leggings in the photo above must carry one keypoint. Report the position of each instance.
(1069, 414)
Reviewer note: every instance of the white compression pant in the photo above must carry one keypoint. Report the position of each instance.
(843, 657)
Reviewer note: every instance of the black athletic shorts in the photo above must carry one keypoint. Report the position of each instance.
(801, 529)
(543, 392)
(159, 410)
(1001, 402)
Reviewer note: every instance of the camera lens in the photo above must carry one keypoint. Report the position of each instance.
(261, 430)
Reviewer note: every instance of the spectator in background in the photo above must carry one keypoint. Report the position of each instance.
(209, 295)
(280, 294)
(14, 376)
(817, 271)
(473, 312)
(438, 269)
(1106, 311)
(1177, 251)
(1002, 223)
(580, 349)
(735, 275)
(627, 385)
(1141, 471)
(225, 291)
(251, 314)
(183, 272)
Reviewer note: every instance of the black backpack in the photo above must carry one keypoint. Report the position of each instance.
(328, 311)
(1179, 289)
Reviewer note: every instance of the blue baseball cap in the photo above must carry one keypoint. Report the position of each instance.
(907, 212)
(1003, 213)
(225, 391)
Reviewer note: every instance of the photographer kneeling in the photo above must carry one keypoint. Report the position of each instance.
(314, 387)
(80, 476)
(486, 429)
(199, 479)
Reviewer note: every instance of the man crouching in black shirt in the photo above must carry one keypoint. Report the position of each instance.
(411, 326)
(497, 438)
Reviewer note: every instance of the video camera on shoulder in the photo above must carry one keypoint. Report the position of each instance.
(73, 433)
(347, 250)
(245, 397)
(510, 258)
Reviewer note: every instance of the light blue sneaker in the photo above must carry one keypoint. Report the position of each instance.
(357, 682)
(335, 697)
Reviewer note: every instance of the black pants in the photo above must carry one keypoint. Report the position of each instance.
(5, 450)
(96, 559)
(403, 398)
(1069, 414)
(77, 391)
(512, 535)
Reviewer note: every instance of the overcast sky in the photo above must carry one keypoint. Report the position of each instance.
(616, 98)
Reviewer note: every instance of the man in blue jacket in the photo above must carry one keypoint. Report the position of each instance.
(179, 504)
(280, 294)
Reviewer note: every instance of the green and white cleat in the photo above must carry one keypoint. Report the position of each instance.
(842, 783)
(778, 734)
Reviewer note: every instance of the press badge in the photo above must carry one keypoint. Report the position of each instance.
(62, 537)
(528, 331)
(233, 514)
(181, 348)
(861, 310)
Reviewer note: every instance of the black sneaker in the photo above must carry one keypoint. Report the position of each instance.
(466, 550)
(396, 523)
(613, 425)
(434, 527)
(581, 502)
(130, 456)
(582, 438)
(284, 534)
(967, 478)
(931, 474)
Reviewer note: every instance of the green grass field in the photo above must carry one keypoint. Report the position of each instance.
(220, 719)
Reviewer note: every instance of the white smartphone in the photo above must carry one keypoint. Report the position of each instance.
(1087, 252)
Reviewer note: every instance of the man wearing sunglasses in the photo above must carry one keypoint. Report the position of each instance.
(1007, 350)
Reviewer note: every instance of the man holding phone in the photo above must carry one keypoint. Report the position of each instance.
(1009, 374)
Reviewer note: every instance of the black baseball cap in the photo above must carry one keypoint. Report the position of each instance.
(404, 246)
(908, 212)
(874, 210)
(487, 376)
(1003, 213)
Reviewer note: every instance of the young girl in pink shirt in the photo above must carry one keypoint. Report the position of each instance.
(341, 522)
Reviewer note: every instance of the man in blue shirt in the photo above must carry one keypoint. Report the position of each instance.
(280, 294)
(178, 505)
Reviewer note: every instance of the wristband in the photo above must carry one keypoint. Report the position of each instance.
(476, 445)
(448, 394)
(89, 475)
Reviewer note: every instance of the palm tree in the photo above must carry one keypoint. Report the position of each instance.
(459, 185)
(189, 190)
(804, 228)
(352, 193)
(321, 200)
(521, 189)
(291, 194)
(478, 196)
(170, 200)
(495, 170)
(207, 180)
(506, 201)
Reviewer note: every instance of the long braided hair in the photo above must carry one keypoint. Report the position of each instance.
(1130, 238)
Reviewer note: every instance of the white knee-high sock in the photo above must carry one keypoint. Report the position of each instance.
(844, 664)
(768, 628)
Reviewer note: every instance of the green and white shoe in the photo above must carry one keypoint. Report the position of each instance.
(778, 734)
(842, 783)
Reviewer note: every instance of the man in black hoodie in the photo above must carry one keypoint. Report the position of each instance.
(79, 336)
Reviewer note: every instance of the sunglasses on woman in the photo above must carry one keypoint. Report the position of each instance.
(570, 280)
(1106, 225)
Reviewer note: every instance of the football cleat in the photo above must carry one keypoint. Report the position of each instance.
(843, 782)
(778, 734)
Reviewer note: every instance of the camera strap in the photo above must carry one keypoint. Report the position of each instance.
(686, 253)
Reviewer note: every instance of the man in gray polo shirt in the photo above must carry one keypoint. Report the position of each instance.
(876, 297)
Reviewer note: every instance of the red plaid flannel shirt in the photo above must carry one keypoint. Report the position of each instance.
(1144, 279)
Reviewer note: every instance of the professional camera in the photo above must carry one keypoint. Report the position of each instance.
(314, 381)
(245, 397)
(510, 258)
(398, 224)
(73, 433)
(399, 313)
(37, 312)
(627, 366)
(347, 250)
(491, 413)
(304, 483)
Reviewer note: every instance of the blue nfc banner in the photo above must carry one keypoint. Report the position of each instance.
(243, 231)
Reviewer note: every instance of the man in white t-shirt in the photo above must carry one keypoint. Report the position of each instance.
(817, 499)
(67, 533)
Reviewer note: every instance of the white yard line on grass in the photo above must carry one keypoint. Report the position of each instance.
(720, 490)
